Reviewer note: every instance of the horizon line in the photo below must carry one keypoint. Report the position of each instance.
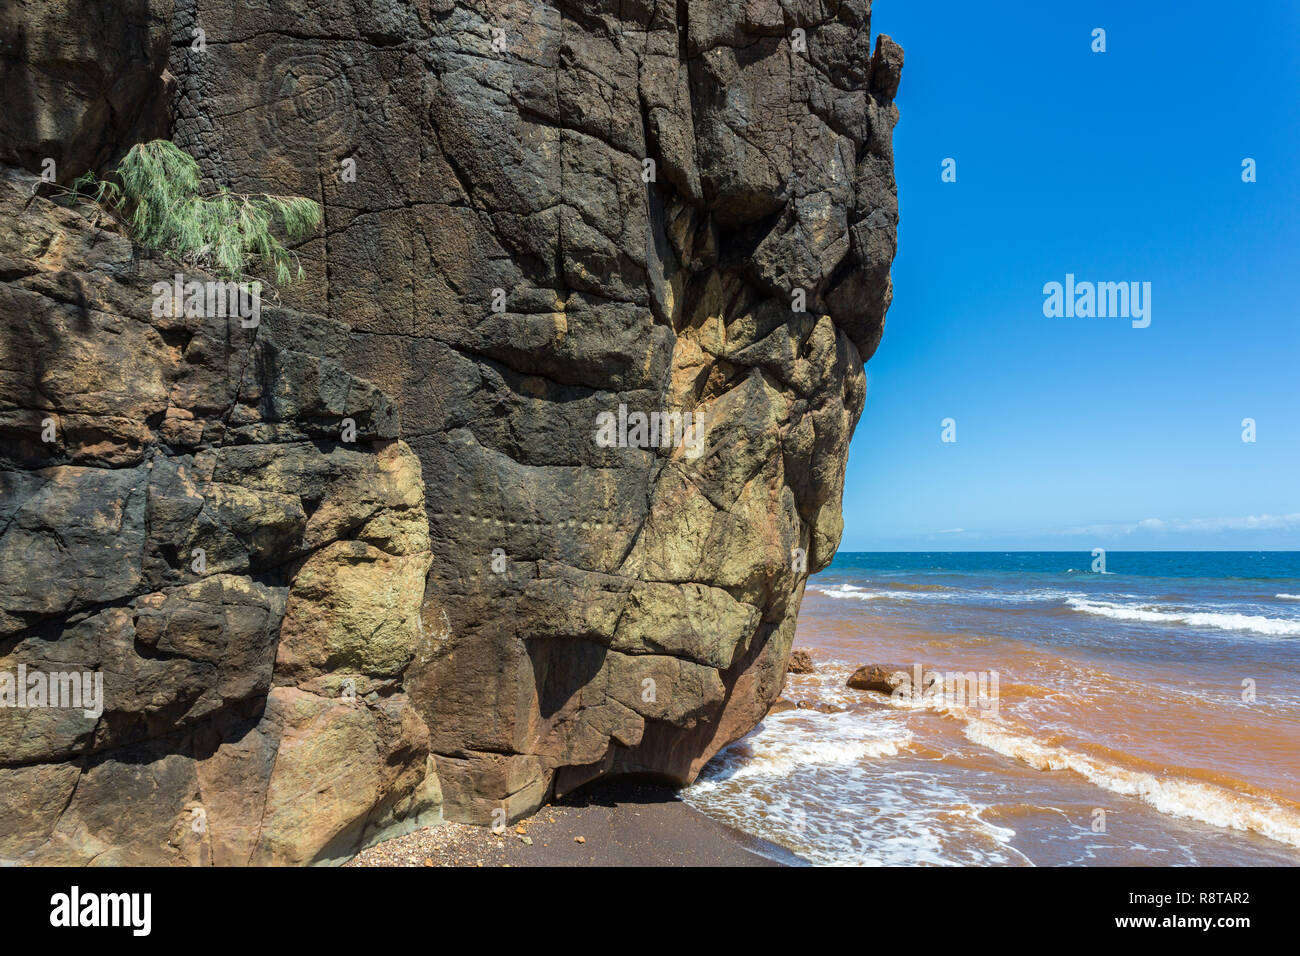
(1077, 551)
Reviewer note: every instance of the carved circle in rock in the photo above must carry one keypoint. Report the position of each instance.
(310, 99)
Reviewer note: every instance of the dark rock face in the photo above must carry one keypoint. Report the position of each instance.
(557, 210)
(195, 532)
(81, 81)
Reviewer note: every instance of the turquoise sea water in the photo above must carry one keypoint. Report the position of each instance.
(1220, 602)
(1238, 565)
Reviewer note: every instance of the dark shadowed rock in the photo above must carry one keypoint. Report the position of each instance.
(252, 707)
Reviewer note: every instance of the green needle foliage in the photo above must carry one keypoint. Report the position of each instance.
(157, 194)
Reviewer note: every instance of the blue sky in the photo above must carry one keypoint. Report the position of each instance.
(1074, 433)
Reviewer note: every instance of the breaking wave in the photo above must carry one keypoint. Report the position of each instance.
(1147, 614)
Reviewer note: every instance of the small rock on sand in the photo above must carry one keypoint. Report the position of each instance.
(820, 706)
(878, 679)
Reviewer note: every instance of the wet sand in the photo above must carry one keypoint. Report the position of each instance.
(620, 824)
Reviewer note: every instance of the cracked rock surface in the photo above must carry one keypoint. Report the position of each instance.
(558, 209)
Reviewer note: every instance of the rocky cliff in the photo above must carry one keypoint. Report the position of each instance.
(367, 561)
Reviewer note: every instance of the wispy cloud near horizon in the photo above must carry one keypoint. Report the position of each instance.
(1194, 534)
(1263, 522)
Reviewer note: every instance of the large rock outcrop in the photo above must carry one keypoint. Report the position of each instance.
(535, 213)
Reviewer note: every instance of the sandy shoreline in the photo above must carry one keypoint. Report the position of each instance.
(620, 824)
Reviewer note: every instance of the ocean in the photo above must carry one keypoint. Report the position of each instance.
(1147, 715)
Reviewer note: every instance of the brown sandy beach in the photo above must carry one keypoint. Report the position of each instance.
(619, 824)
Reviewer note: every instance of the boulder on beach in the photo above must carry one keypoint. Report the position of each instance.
(801, 662)
(879, 679)
(781, 705)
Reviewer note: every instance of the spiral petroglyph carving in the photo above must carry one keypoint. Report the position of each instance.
(309, 98)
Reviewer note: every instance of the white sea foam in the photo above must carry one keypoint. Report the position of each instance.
(824, 786)
(1146, 613)
(941, 594)
(845, 591)
(1176, 797)
(803, 738)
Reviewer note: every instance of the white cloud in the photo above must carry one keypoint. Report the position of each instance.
(1195, 525)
